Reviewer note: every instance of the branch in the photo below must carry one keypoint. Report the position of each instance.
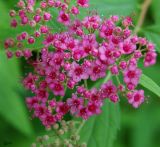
(80, 127)
(144, 9)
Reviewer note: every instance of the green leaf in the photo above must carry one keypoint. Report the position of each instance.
(4, 14)
(152, 33)
(100, 131)
(114, 7)
(148, 83)
(12, 107)
(143, 130)
(155, 10)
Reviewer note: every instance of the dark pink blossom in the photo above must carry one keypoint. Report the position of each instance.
(127, 47)
(83, 3)
(57, 88)
(108, 89)
(150, 58)
(75, 104)
(78, 72)
(132, 75)
(136, 98)
(98, 70)
(64, 18)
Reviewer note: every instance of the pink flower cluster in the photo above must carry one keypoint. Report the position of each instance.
(70, 58)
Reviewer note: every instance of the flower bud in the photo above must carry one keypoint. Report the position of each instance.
(60, 132)
(12, 13)
(83, 145)
(9, 54)
(33, 145)
(45, 137)
(56, 126)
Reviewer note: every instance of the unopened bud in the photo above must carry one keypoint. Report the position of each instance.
(56, 126)
(63, 123)
(39, 139)
(83, 145)
(60, 132)
(71, 124)
(33, 145)
(45, 137)
(69, 145)
(57, 142)
(66, 142)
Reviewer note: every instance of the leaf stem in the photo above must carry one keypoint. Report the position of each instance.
(85, 84)
(144, 9)
(80, 127)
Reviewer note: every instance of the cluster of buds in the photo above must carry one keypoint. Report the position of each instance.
(57, 137)
(87, 50)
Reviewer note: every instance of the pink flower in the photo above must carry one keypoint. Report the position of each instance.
(114, 70)
(31, 2)
(31, 102)
(62, 108)
(31, 40)
(77, 72)
(78, 53)
(89, 44)
(49, 40)
(64, 18)
(108, 89)
(27, 53)
(29, 81)
(127, 47)
(150, 46)
(24, 20)
(42, 95)
(132, 75)
(76, 27)
(137, 98)
(56, 60)
(92, 22)
(75, 103)
(48, 120)
(75, 10)
(106, 29)
(106, 54)
(14, 23)
(83, 112)
(127, 21)
(32, 23)
(51, 75)
(18, 53)
(52, 103)
(57, 88)
(51, 3)
(114, 98)
(37, 18)
(40, 111)
(95, 96)
(150, 58)
(93, 108)
(47, 16)
(9, 54)
(71, 83)
(44, 29)
(83, 3)
(98, 70)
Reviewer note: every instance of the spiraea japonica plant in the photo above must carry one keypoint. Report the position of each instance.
(74, 54)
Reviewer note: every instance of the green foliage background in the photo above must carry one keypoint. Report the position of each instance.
(119, 125)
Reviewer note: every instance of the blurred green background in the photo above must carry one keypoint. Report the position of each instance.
(138, 127)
